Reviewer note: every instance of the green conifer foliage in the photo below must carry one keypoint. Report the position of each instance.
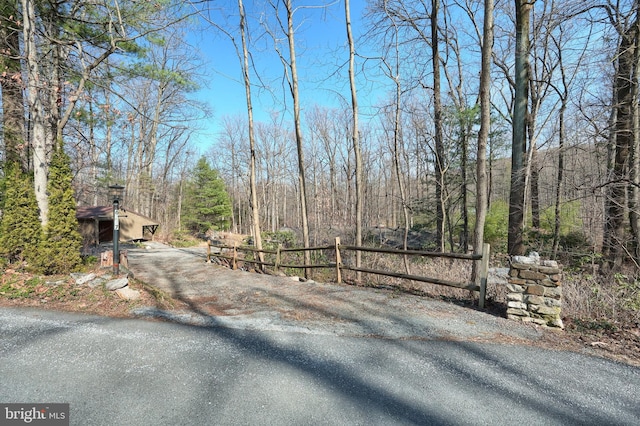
(207, 204)
(20, 230)
(63, 243)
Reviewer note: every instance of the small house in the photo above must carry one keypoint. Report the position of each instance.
(96, 225)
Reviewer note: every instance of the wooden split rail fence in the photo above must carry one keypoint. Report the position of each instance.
(230, 253)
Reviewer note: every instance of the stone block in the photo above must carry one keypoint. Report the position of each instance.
(516, 297)
(555, 322)
(535, 289)
(516, 305)
(515, 288)
(532, 259)
(520, 266)
(552, 302)
(554, 292)
(533, 299)
(519, 312)
(548, 271)
(517, 281)
(545, 310)
(532, 275)
(555, 278)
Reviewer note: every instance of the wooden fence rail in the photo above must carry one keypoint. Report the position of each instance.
(482, 262)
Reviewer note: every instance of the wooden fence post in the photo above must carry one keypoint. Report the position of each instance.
(277, 262)
(235, 257)
(338, 261)
(484, 273)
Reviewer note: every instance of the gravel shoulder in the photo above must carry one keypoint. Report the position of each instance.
(238, 299)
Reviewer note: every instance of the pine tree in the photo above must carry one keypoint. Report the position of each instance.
(207, 203)
(20, 229)
(63, 243)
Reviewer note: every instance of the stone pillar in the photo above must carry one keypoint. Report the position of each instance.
(535, 291)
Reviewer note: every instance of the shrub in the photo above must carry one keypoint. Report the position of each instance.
(20, 229)
(496, 226)
(271, 240)
(61, 250)
(207, 204)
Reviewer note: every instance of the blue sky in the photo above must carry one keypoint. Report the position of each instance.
(321, 58)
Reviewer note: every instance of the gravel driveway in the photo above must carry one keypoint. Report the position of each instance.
(245, 300)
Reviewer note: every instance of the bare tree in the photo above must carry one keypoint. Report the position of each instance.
(255, 210)
(355, 137)
(483, 134)
(60, 42)
(614, 244)
(291, 73)
(13, 128)
(562, 88)
(518, 147)
(634, 166)
(38, 137)
(437, 116)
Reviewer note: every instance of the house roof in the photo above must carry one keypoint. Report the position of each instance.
(94, 212)
(106, 212)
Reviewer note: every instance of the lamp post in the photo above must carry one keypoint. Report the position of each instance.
(116, 192)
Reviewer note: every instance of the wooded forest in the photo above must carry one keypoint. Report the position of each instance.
(511, 122)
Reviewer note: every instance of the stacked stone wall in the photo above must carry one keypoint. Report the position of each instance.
(535, 292)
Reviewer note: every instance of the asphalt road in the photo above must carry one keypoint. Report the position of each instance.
(137, 372)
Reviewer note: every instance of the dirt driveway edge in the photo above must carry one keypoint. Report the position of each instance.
(237, 299)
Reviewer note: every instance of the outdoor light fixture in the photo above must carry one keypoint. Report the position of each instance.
(116, 192)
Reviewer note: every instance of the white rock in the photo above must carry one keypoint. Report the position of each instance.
(532, 259)
(117, 283)
(498, 276)
(83, 278)
(127, 293)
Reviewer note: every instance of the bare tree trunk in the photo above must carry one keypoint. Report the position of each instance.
(355, 137)
(634, 168)
(93, 153)
(38, 137)
(255, 209)
(562, 135)
(464, 238)
(397, 142)
(615, 242)
(560, 176)
(437, 112)
(482, 195)
(519, 142)
(13, 129)
(298, 131)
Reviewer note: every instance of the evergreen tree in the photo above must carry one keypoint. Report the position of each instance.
(207, 204)
(63, 243)
(20, 230)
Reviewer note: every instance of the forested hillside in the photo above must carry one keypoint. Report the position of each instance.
(438, 115)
